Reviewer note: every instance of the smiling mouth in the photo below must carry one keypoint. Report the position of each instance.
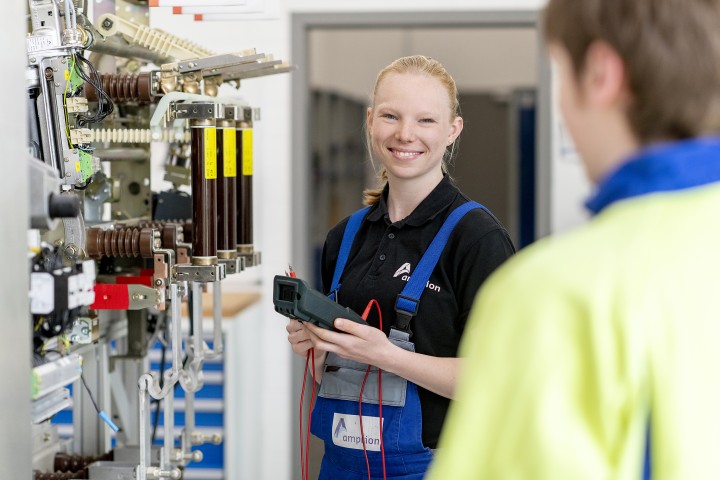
(404, 153)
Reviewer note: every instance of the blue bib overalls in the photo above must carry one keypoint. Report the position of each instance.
(336, 416)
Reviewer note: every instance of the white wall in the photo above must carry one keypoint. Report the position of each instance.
(570, 186)
(270, 446)
(500, 58)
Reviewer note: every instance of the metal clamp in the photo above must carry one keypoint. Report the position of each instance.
(196, 111)
(198, 273)
(233, 265)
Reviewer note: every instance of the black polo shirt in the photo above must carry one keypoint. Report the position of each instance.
(383, 256)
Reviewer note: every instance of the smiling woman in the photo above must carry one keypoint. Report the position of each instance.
(412, 124)
(420, 238)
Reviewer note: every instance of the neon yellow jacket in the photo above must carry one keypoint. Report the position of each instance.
(580, 339)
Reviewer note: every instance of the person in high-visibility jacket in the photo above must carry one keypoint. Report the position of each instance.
(593, 354)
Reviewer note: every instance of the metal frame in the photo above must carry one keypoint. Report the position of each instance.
(15, 443)
(302, 23)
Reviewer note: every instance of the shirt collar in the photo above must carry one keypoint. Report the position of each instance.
(660, 168)
(442, 196)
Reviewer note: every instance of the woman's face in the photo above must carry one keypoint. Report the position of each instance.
(410, 126)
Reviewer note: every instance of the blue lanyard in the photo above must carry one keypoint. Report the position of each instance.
(661, 168)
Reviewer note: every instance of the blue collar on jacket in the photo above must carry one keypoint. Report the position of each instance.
(660, 168)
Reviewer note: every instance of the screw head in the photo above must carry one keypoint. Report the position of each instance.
(107, 23)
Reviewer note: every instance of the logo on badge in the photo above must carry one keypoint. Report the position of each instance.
(340, 427)
(348, 434)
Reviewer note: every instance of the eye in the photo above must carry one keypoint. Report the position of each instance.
(427, 120)
(389, 116)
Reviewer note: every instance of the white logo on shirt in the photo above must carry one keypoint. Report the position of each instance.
(405, 268)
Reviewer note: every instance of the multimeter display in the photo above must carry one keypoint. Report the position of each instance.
(294, 298)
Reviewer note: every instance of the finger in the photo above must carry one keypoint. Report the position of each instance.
(323, 334)
(323, 339)
(301, 348)
(348, 326)
(293, 326)
(298, 336)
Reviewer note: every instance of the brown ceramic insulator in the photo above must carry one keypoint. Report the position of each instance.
(245, 210)
(187, 231)
(170, 235)
(180, 229)
(123, 88)
(204, 199)
(244, 198)
(121, 242)
(73, 463)
(226, 197)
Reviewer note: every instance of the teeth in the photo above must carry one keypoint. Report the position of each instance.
(405, 154)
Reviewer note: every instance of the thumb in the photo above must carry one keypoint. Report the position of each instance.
(348, 326)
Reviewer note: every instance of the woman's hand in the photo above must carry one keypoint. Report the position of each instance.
(366, 344)
(299, 337)
(302, 340)
(361, 343)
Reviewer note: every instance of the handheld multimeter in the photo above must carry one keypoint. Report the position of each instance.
(295, 299)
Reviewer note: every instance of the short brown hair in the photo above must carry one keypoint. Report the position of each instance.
(671, 53)
(414, 64)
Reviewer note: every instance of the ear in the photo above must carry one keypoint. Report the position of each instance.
(455, 128)
(369, 119)
(604, 81)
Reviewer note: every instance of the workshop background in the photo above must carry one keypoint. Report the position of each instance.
(297, 103)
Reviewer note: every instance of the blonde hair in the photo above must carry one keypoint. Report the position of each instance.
(413, 64)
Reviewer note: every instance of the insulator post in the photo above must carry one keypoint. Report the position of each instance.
(122, 242)
(123, 87)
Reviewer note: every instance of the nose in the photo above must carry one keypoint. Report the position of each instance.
(405, 132)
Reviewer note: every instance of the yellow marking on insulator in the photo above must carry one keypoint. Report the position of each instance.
(229, 152)
(247, 151)
(210, 153)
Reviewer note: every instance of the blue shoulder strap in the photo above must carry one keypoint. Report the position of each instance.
(407, 301)
(351, 229)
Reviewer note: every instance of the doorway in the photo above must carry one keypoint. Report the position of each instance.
(496, 62)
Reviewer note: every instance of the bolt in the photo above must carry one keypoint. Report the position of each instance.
(107, 24)
(136, 296)
(57, 84)
(67, 159)
(67, 175)
(48, 73)
(85, 330)
(158, 282)
(62, 60)
(33, 60)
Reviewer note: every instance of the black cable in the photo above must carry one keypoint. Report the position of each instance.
(105, 103)
(89, 393)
